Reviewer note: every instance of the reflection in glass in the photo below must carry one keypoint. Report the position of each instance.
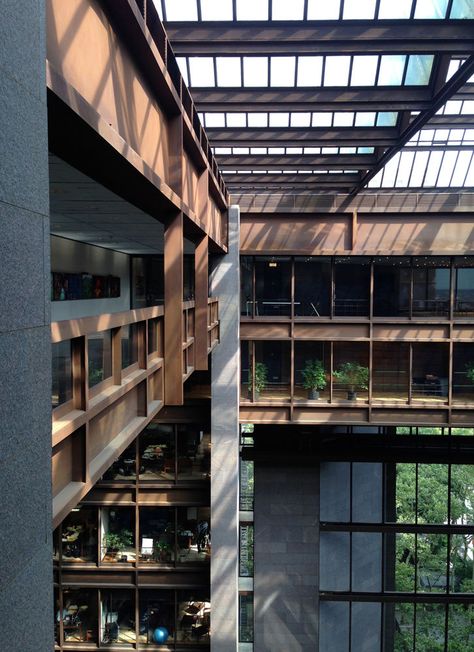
(459, 627)
(123, 468)
(431, 554)
(246, 286)
(194, 617)
(406, 493)
(404, 626)
(463, 373)
(157, 453)
(79, 535)
(99, 347)
(273, 286)
(431, 285)
(352, 282)
(312, 287)
(312, 364)
(79, 615)
(405, 562)
(61, 372)
(129, 335)
(461, 564)
(157, 619)
(117, 617)
(430, 628)
(462, 494)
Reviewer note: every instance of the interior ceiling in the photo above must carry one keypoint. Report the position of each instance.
(311, 96)
(84, 210)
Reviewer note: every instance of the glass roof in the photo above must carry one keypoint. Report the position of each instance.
(282, 10)
(299, 119)
(290, 151)
(306, 71)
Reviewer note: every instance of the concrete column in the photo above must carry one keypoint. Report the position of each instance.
(173, 264)
(286, 558)
(26, 588)
(225, 448)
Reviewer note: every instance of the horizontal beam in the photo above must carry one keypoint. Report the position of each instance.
(379, 98)
(329, 162)
(451, 122)
(381, 136)
(329, 180)
(339, 37)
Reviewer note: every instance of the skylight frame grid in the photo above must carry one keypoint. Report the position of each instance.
(317, 119)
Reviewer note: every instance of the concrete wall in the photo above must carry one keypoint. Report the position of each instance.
(286, 579)
(72, 256)
(26, 591)
(225, 284)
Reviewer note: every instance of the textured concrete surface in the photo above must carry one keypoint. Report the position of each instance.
(25, 349)
(286, 559)
(225, 448)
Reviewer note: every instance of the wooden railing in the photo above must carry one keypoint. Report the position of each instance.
(113, 395)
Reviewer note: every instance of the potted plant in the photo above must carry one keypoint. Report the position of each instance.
(470, 372)
(354, 375)
(115, 542)
(314, 378)
(260, 379)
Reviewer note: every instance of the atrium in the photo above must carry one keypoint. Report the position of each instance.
(237, 325)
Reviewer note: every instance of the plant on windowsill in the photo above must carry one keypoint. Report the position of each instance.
(117, 542)
(261, 374)
(354, 375)
(470, 372)
(163, 551)
(314, 378)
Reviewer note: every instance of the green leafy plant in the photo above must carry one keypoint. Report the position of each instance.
(261, 377)
(118, 541)
(470, 371)
(353, 374)
(314, 376)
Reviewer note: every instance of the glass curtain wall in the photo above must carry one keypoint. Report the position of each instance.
(272, 370)
(430, 380)
(312, 287)
(392, 286)
(390, 371)
(61, 373)
(312, 371)
(352, 286)
(272, 286)
(431, 286)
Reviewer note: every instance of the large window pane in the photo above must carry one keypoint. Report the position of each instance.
(156, 545)
(431, 285)
(272, 370)
(117, 534)
(194, 453)
(117, 617)
(246, 286)
(157, 458)
(157, 617)
(273, 286)
(312, 287)
(391, 286)
(99, 346)
(312, 371)
(194, 617)
(463, 373)
(430, 628)
(194, 535)
(246, 617)
(464, 287)
(351, 371)
(431, 555)
(352, 280)
(79, 615)
(129, 335)
(62, 373)
(123, 469)
(79, 535)
(245, 371)
(430, 373)
(390, 378)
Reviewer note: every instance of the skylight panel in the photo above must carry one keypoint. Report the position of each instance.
(284, 10)
(387, 118)
(343, 119)
(216, 9)
(282, 71)
(323, 9)
(202, 71)
(404, 169)
(395, 9)
(183, 68)
(391, 69)
(470, 175)
(453, 67)
(453, 107)
(300, 119)
(276, 150)
(347, 150)
(294, 150)
(279, 119)
(364, 70)
(461, 169)
(159, 8)
(336, 71)
(240, 150)
(419, 69)
(390, 171)
(358, 9)
(310, 70)
(252, 9)
(321, 119)
(218, 151)
(329, 150)
(182, 10)
(418, 169)
(257, 119)
(447, 168)
(365, 118)
(228, 71)
(365, 150)
(432, 169)
(441, 136)
(456, 136)
(255, 71)
(258, 150)
(312, 150)
(468, 137)
(468, 107)
(214, 120)
(236, 119)
(431, 8)
(462, 9)
(376, 181)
